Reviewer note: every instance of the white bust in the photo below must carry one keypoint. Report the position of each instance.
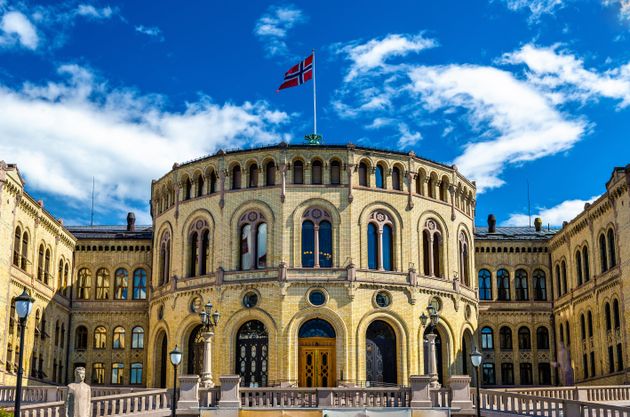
(79, 399)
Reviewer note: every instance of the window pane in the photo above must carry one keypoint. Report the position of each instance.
(335, 173)
(325, 244)
(379, 176)
(372, 248)
(121, 284)
(139, 284)
(317, 173)
(387, 248)
(261, 246)
(298, 173)
(485, 285)
(308, 244)
(247, 248)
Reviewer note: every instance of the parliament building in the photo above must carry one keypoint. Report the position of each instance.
(321, 261)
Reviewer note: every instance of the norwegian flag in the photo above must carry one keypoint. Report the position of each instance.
(298, 74)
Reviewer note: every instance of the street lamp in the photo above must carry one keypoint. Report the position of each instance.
(176, 359)
(209, 321)
(475, 358)
(23, 307)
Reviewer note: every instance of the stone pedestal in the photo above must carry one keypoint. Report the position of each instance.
(206, 374)
(230, 396)
(432, 360)
(420, 395)
(188, 393)
(460, 392)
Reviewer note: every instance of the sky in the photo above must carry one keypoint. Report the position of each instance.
(518, 94)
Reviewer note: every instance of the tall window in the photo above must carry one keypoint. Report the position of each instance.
(81, 338)
(608, 317)
(602, 253)
(432, 248)
(524, 338)
(335, 173)
(298, 172)
(187, 188)
(253, 247)
(363, 174)
(316, 172)
(505, 338)
(136, 374)
(540, 285)
(444, 191)
(590, 324)
(139, 284)
(118, 342)
(487, 339)
(396, 180)
(316, 239)
(100, 337)
(558, 281)
(583, 327)
(565, 287)
(84, 284)
(586, 268)
(236, 177)
(578, 266)
(487, 374)
(40, 263)
(199, 185)
(464, 260)
(270, 173)
(198, 248)
(611, 248)
(98, 373)
(380, 241)
(213, 182)
(253, 176)
(542, 338)
(117, 373)
(526, 374)
(379, 176)
(485, 284)
(47, 267)
(431, 185)
(137, 338)
(17, 244)
(616, 314)
(102, 284)
(503, 285)
(420, 180)
(60, 276)
(522, 291)
(165, 258)
(24, 253)
(507, 373)
(121, 284)
(544, 373)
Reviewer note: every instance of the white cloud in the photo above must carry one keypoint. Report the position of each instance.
(536, 8)
(520, 122)
(63, 133)
(16, 29)
(152, 31)
(374, 53)
(565, 211)
(407, 137)
(624, 8)
(90, 11)
(564, 75)
(272, 28)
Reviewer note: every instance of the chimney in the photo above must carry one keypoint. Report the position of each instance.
(131, 222)
(492, 224)
(538, 224)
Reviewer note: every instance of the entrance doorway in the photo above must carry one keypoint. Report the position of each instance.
(380, 356)
(161, 358)
(252, 354)
(317, 354)
(195, 351)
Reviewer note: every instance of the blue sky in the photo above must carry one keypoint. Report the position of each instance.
(511, 91)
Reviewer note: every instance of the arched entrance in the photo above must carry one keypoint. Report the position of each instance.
(195, 351)
(467, 343)
(317, 353)
(160, 359)
(438, 354)
(252, 354)
(380, 356)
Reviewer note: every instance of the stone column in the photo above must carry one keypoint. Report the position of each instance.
(380, 248)
(432, 359)
(206, 374)
(430, 252)
(316, 246)
(283, 171)
(409, 190)
(222, 188)
(350, 169)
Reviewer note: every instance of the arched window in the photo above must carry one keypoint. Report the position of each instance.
(316, 239)
(396, 182)
(102, 284)
(431, 185)
(558, 281)
(84, 284)
(505, 338)
(608, 317)
(379, 176)
(616, 314)
(503, 285)
(66, 269)
(380, 241)
(270, 173)
(118, 373)
(213, 182)
(363, 174)
(252, 353)
(524, 338)
(335, 173)
(542, 338)
(100, 337)
(603, 256)
(583, 326)
(24, 253)
(47, 267)
(485, 284)
(540, 285)
(253, 176)
(199, 185)
(17, 244)
(568, 333)
(236, 177)
(40, 263)
(118, 342)
(464, 260)
(487, 340)
(420, 180)
(62, 336)
(121, 284)
(444, 190)
(590, 324)
(139, 284)
(187, 189)
(611, 248)
(298, 172)
(433, 248)
(165, 258)
(198, 248)
(57, 333)
(578, 266)
(565, 287)
(316, 172)
(136, 374)
(80, 338)
(561, 333)
(520, 284)
(137, 338)
(253, 247)
(586, 268)
(60, 276)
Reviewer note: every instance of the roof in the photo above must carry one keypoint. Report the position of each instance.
(111, 232)
(514, 233)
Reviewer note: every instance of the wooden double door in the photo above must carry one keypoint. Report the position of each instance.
(317, 367)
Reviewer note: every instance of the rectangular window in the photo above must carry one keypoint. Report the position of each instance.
(507, 374)
(117, 373)
(488, 377)
(526, 373)
(611, 360)
(544, 374)
(619, 357)
(593, 373)
(585, 365)
(98, 373)
(136, 374)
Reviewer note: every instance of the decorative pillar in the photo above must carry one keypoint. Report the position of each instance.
(350, 169)
(283, 176)
(420, 395)
(206, 374)
(380, 248)
(432, 371)
(316, 245)
(188, 393)
(460, 392)
(222, 188)
(451, 191)
(230, 396)
(409, 192)
(430, 252)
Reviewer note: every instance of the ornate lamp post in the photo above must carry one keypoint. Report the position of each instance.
(434, 318)
(209, 320)
(475, 358)
(176, 359)
(23, 307)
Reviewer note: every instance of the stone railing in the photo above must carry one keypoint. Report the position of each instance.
(603, 394)
(44, 394)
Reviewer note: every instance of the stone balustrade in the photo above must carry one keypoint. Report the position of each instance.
(53, 393)
(590, 393)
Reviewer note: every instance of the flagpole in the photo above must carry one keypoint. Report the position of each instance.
(314, 98)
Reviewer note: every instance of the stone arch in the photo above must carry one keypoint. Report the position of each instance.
(394, 215)
(252, 205)
(294, 224)
(450, 347)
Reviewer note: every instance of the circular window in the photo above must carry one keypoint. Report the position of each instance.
(382, 299)
(317, 297)
(160, 312)
(196, 305)
(250, 299)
